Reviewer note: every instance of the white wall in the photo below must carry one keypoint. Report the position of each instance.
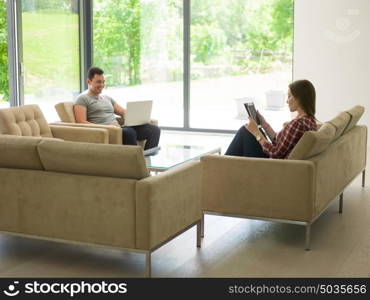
(332, 49)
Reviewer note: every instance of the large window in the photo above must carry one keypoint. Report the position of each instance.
(239, 49)
(4, 81)
(195, 59)
(50, 53)
(139, 44)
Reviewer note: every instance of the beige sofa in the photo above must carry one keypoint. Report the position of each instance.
(95, 194)
(66, 114)
(28, 120)
(295, 190)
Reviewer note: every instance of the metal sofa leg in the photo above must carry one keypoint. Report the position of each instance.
(363, 178)
(308, 237)
(148, 264)
(199, 230)
(341, 203)
(202, 225)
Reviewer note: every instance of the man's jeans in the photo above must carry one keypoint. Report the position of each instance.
(148, 132)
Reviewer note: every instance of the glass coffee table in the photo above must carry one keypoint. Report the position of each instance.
(169, 156)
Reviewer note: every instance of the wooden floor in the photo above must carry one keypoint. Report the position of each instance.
(231, 248)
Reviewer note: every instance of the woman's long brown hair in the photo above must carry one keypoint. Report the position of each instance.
(304, 92)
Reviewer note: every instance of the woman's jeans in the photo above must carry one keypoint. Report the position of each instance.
(245, 144)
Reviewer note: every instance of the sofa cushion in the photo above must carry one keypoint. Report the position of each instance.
(65, 112)
(313, 142)
(340, 122)
(26, 120)
(93, 159)
(19, 152)
(355, 114)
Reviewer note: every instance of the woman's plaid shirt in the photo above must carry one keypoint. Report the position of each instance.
(288, 137)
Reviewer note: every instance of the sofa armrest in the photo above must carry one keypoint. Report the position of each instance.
(257, 187)
(166, 204)
(76, 134)
(114, 132)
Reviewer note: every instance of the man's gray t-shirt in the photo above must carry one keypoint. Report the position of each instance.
(99, 109)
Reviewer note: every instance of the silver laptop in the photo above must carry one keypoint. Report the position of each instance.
(138, 112)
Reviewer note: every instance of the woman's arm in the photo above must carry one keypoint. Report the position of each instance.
(252, 127)
(269, 130)
(285, 140)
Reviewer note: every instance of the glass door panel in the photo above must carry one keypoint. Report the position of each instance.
(139, 45)
(51, 61)
(4, 79)
(240, 49)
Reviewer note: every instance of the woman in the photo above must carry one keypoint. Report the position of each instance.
(249, 141)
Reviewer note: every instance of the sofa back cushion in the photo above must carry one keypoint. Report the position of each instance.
(19, 152)
(93, 159)
(26, 120)
(340, 122)
(313, 142)
(65, 112)
(355, 114)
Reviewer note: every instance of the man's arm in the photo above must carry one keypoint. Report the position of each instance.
(80, 114)
(119, 110)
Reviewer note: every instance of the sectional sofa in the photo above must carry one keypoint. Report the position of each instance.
(295, 190)
(69, 184)
(94, 194)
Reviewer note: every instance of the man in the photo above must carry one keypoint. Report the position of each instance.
(93, 108)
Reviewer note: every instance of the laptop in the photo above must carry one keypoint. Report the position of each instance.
(138, 112)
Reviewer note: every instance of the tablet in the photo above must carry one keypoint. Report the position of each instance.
(251, 109)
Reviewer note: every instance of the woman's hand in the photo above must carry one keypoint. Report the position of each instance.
(252, 126)
(262, 119)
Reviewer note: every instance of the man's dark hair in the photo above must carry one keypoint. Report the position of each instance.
(94, 70)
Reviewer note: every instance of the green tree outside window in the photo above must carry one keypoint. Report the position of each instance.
(4, 80)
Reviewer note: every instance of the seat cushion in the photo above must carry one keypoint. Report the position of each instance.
(65, 112)
(340, 122)
(19, 152)
(93, 159)
(313, 142)
(25, 120)
(355, 114)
